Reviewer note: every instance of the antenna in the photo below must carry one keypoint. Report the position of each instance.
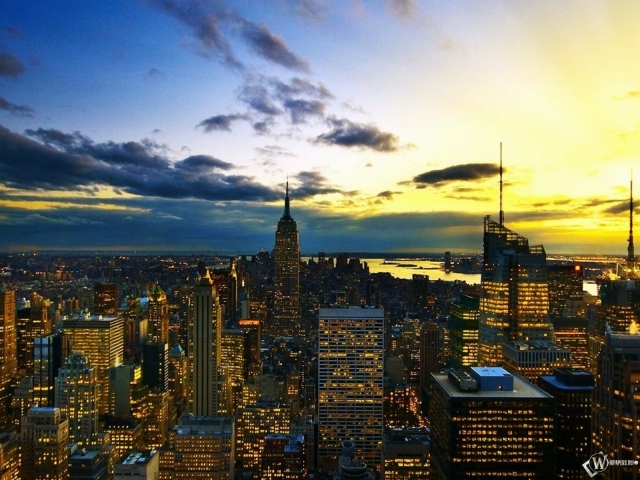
(630, 250)
(501, 211)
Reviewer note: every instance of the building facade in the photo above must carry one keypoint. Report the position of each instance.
(350, 383)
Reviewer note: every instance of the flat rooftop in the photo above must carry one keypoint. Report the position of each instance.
(521, 389)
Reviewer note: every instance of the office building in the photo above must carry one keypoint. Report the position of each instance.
(284, 458)
(76, 395)
(254, 423)
(101, 340)
(514, 301)
(490, 424)
(534, 358)
(158, 317)
(431, 359)
(350, 383)
(8, 352)
(406, 454)
(87, 464)
(616, 412)
(200, 447)
(566, 297)
(205, 346)
(253, 329)
(138, 465)
(31, 322)
(572, 390)
(286, 277)
(463, 326)
(49, 354)
(572, 334)
(105, 299)
(178, 378)
(160, 418)
(125, 434)
(155, 365)
(44, 436)
(9, 455)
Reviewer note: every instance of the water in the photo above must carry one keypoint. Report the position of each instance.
(432, 268)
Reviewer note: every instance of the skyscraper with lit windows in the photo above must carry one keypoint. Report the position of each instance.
(8, 352)
(76, 395)
(514, 301)
(158, 312)
(205, 347)
(44, 437)
(286, 277)
(350, 383)
(101, 340)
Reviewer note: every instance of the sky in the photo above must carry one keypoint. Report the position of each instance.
(175, 125)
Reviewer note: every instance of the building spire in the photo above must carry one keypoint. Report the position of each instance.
(287, 212)
(501, 210)
(631, 258)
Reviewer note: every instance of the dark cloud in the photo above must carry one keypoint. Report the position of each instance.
(298, 87)
(346, 133)
(72, 161)
(154, 72)
(220, 122)
(313, 183)
(466, 172)
(387, 194)
(13, 109)
(271, 47)
(311, 9)
(300, 110)
(10, 66)
(618, 208)
(259, 99)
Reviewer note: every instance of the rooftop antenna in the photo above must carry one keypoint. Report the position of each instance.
(501, 211)
(631, 259)
(286, 201)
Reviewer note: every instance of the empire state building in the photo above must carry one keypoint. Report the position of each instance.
(286, 278)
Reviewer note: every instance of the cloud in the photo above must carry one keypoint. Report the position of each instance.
(314, 183)
(631, 94)
(220, 122)
(271, 47)
(259, 99)
(10, 66)
(466, 172)
(13, 109)
(154, 72)
(300, 110)
(72, 161)
(346, 133)
(273, 150)
(403, 9)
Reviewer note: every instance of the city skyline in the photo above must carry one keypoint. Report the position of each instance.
(174, 125)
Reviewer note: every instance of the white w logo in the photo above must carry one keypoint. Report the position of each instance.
(596, 464)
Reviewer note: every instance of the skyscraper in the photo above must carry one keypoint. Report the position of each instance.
(616, 411)
(44, 440)
(286, 278)
(8, 353)
(158, 312)
(514, 302)
(105, 299)
(206, 339)
(101, 340)
(350, 383)
(77, 398)
(49, 354)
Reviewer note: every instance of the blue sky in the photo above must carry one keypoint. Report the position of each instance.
(174, 125)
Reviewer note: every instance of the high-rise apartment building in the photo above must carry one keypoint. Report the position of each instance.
(158, 317)
(101, 340)
(204, 349)
(490, 424)
(572, 390)
(286, 277)
(44, 438)
(8, 352)
(76, 395)
(616, 410)
(514, 301)
(350, 383)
